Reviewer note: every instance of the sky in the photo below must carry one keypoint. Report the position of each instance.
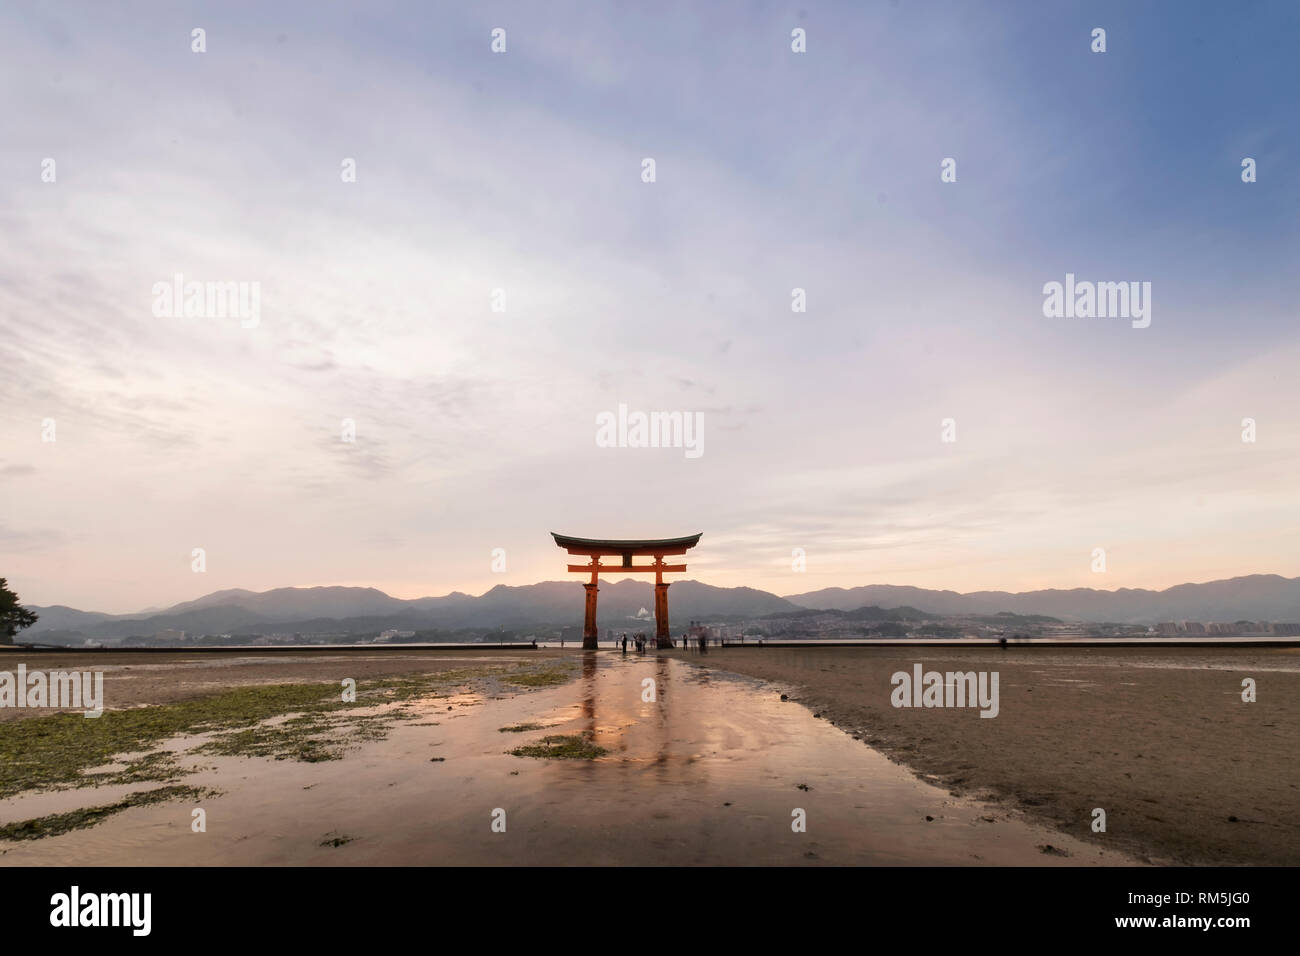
(523, 171)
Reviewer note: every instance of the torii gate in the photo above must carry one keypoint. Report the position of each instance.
(594, 548)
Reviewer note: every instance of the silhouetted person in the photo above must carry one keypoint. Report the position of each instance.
(1002, 643)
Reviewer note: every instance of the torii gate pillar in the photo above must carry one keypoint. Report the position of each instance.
(661, 614)
(589, 622)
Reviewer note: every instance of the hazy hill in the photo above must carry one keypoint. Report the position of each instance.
(283, 604)
(357, 610)
(56, 617)
(1268, 597)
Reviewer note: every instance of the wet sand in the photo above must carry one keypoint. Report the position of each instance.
(1158, 737)
(712, 771)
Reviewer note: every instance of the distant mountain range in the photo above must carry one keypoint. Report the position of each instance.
(549, 604)
(1268, 597)
(360, 610)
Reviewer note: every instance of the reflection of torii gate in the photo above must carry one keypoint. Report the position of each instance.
(595, 548)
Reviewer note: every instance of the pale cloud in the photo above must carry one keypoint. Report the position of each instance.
(475, 428)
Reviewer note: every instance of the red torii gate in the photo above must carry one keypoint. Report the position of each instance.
(595, 548)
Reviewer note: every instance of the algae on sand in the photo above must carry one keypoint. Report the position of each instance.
(58, 751)
(543, 678)
(562, 747)
(54, 751)
(57, 823)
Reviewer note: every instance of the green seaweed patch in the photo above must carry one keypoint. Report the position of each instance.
(562, 747)
(56, 751)
(519, 728)
(308, 738)
(58, 823)
(545, 678)
(159, 766)
(52, 752)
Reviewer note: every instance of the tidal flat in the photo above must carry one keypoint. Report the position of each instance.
(1158, 737)
(604, 759)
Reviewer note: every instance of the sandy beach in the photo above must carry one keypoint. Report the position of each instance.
(709, 771)
(698, 766)
(1158, 738)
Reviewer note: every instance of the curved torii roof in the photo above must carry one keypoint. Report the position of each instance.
(641, 546)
